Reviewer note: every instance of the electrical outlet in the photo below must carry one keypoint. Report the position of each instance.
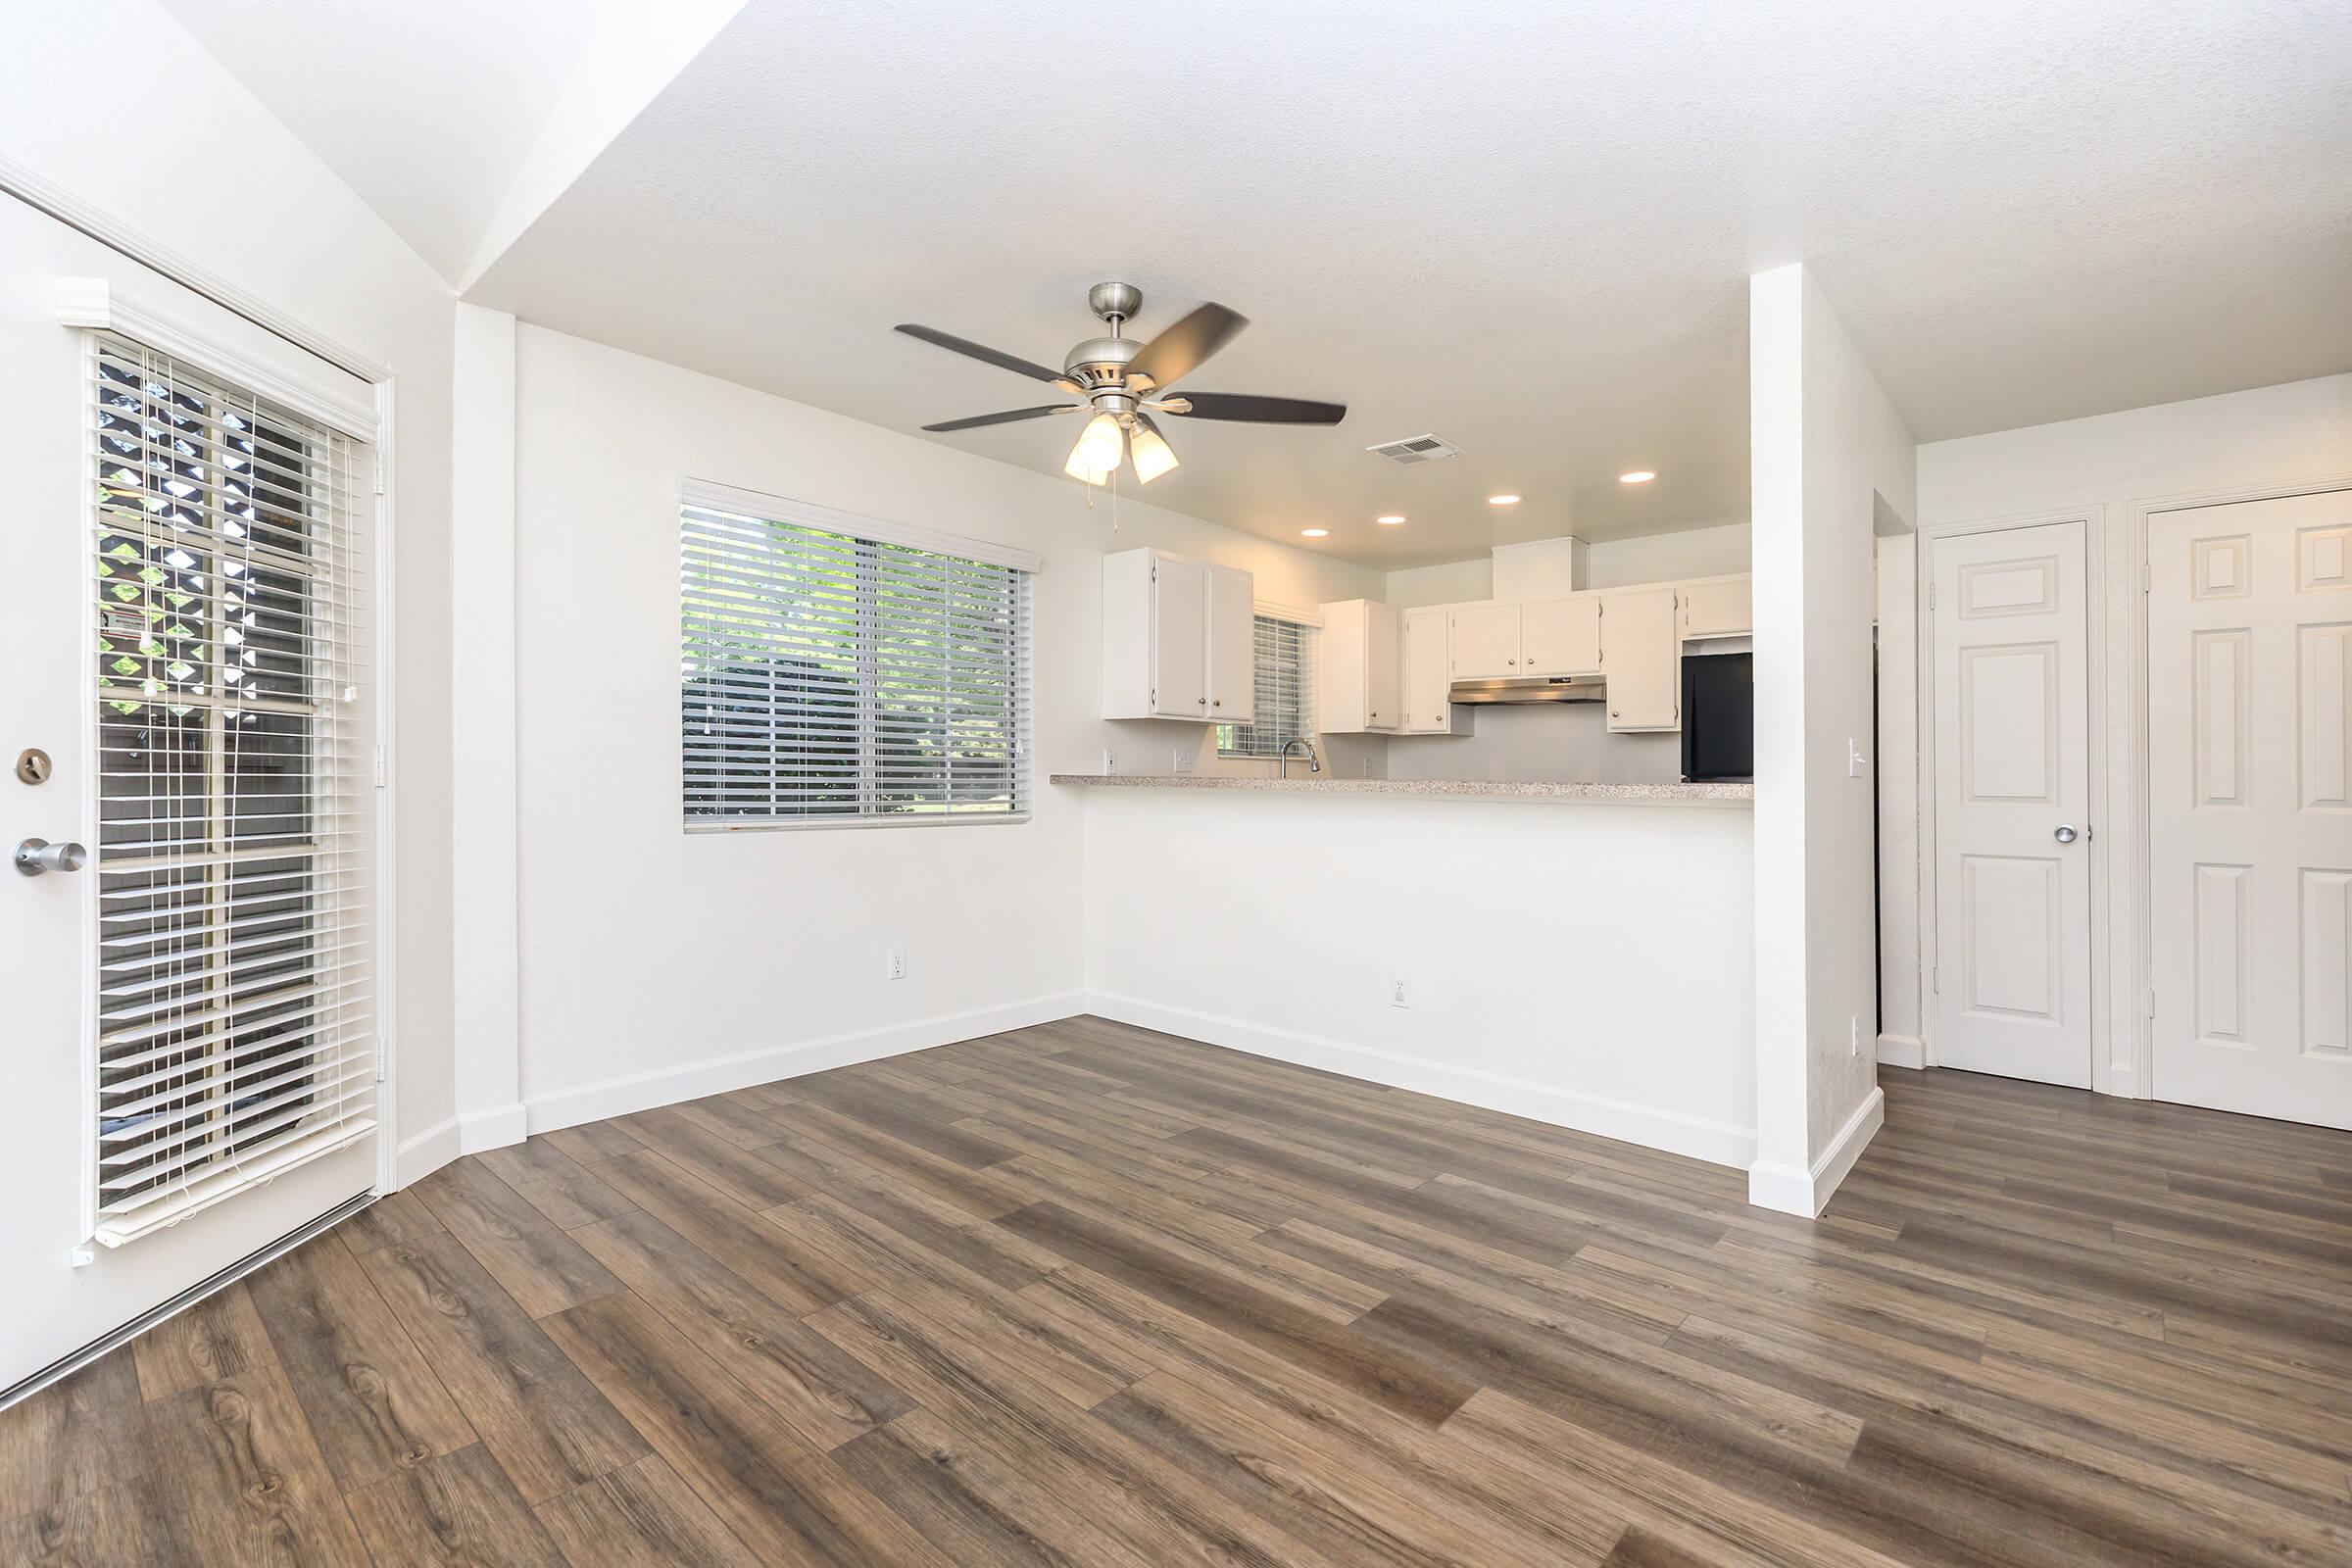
(1367, 768)
(898, 965)
(1396, 997)
(1181, 758)
(1111, 762)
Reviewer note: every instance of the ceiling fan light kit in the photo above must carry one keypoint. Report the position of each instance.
(1123, 382)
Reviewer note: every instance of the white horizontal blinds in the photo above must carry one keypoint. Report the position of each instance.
(1283, 677)
(236, 1032)
(826, 676)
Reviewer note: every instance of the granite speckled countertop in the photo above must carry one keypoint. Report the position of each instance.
(1725, 794)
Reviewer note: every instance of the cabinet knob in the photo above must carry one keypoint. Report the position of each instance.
(1204, 702)
(1511, 661)
(1219, 703)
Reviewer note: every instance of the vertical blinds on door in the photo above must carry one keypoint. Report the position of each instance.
(1283, 676)
(235, 1030)
(829, 677)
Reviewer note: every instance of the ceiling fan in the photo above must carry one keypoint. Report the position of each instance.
(1125, 382)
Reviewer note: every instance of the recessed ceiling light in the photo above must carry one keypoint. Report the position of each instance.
(1316, 533)
(1502, 500)
(1638, 476)
(1390, 521)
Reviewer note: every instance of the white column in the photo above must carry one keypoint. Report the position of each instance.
(486, 1016)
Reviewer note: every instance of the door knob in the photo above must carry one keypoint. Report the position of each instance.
(2064, 835)
(36, 855)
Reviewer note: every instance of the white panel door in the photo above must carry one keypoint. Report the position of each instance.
(1428, 709)
(59, 1289)
(2012, 805)
(2250, 806)
(1179, 638)
(1641, 655)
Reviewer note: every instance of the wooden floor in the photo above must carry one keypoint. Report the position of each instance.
(1092, 1296)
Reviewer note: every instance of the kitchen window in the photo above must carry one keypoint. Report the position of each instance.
(1283, 676)
(836, 670)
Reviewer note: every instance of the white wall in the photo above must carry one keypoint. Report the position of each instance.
(195, 165)
(2105, 469)
(656, 965)
(1585, 964)
(1830, 456)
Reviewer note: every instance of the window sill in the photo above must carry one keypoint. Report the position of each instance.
(767, 824)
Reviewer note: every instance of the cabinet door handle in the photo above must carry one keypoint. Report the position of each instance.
(1204, 702)
(1219, 703)
(1613, 713)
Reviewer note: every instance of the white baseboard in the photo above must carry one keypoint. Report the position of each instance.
(667, 1086)
(1902, 1051)
(1806, 1193)
(426, 1153)
(1719, 1143)
(496, 1128)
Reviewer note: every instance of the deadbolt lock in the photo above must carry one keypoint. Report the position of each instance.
(33, 765)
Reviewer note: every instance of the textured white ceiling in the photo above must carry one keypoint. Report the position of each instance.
(1525, 226)
(425, 107)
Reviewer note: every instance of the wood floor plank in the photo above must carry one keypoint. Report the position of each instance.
(374, 1405)
(83, 1432)
(245, 1477)
(734, 1170)
(764, 1254)
(128, 1521)
(456, 1509)
(641, 1516)
(553, 1183)
(779, 1494)
(216, 1338)
(1085, 1294)
(825, 1395)
(543, 1269)
(1334, 1350)
(546, 1425)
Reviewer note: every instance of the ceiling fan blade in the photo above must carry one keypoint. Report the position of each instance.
(1260, 411)
(1181, 349)
(980, 350)
(1006, 417)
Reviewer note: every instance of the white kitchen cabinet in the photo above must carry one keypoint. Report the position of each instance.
(1428, 674)
(1560, 636)
(1232, 646)
(1176, 639)
(1359, 674)
(1718, 607)
(1641, 654)
(1486, 642)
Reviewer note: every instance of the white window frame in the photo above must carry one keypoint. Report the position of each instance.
(1309, 628)
(741, 502)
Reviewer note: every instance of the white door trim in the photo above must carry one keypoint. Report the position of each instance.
(2094, 520)
(2130, 890)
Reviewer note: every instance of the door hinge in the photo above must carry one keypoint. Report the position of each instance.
(2147, 576)
(2151, 1002)
(379, 472)
(1933, 987)
(1931, 596)
(382, 768)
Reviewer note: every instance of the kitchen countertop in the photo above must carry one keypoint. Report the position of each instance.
(1721, 794)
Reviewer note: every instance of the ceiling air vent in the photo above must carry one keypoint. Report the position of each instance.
(1415, 448)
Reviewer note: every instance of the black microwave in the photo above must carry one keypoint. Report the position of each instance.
(1719, 716)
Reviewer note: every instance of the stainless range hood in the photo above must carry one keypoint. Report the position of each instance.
(1531, 689)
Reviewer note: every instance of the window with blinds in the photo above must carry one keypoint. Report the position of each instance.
(1283, 673)
(235, 1031)
(828, 677)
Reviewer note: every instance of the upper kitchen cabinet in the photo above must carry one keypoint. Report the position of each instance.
(1359, 668)
(1485, 641)
(1176, 639)
(1718, 607)
(1560, 636)
(1641, 657)
(1428, 678)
